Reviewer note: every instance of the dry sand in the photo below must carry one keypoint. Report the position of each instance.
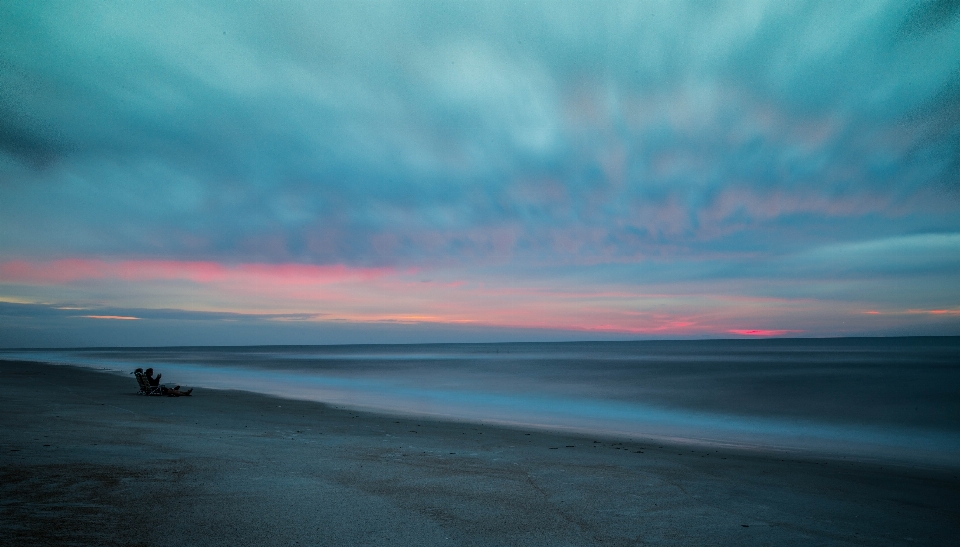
(85, 461)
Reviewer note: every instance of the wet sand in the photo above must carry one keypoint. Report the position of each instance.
(85, 461)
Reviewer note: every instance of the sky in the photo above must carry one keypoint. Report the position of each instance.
(364, 172)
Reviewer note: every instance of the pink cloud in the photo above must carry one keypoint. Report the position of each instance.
(113, 317)
(762, 332)
(340, 293)
(770, 205)
(935, 312)
(79, 269)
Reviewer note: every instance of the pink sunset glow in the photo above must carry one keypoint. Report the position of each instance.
(763, 332)
(112, 317)
(79, 269)
(343, 294)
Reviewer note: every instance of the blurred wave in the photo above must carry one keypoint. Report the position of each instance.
(880, 398)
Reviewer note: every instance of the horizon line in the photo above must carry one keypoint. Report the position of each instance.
(552, 342)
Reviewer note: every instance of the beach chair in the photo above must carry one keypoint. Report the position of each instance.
(145, 387)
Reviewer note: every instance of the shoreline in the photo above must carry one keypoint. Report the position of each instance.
(239, 463)
(813, 443)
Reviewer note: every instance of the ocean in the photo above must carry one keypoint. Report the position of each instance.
(883, 399)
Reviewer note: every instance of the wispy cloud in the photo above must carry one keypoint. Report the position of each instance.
(764, 332)
(316, 152)
(79, 269)
(112, 317)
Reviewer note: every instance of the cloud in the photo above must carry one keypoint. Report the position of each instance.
(73, 310)
(922, 253)
(764, 332)
(113, 317)
(326, 130)
(182, 143)
(70, 270)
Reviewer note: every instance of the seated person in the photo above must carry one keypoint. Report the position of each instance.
(155, 382)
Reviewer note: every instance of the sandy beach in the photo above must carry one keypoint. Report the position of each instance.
(86, 461)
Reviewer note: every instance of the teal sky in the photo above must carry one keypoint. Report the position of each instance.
(325, 172)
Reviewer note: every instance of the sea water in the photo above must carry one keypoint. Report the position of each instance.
(866, 398)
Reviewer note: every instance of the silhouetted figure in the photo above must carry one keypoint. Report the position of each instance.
(155, 382)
